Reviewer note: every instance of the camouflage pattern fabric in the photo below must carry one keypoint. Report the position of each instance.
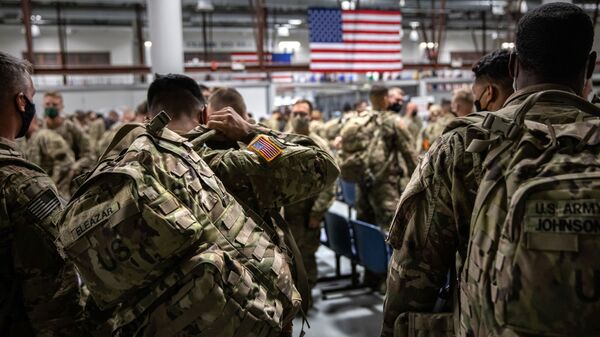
(158, 239)
(303, 170)
(431, 228)
(39, 293)
(378, 156)
(48, 150)
(414, 125)
(534, 232)
(432, 132)
(318, 128)
(96, 130)
(298, 216)
(80, 143)
(108, 137)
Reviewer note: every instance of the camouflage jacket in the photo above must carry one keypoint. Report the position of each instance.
(39, 293)
(302, 170)
(430, 230)
(48, 150)
(384, 147)
(433, 131)
(79, 142)
(317, 206)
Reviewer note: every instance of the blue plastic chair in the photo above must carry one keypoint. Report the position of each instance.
(339, 236)
(373, 253)
(348, 192)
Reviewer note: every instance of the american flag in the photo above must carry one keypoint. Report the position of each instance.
(355, 40)
(265, 148)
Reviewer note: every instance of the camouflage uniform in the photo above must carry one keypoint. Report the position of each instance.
(298, 216)
(414, 125)
(387, 156)
(39, 294)
(48, 150)
(80, 143)
(303, 170)
(318, 128)
(432, 132)
(430, 231)
(96, 130)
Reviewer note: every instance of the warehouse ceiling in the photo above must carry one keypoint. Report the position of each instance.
(458, 14)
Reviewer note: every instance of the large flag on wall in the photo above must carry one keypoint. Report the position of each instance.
(355, 40)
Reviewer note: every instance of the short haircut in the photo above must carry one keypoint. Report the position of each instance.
(445, 102)
(305, 101)
(378, 92)
(554, 41)
(224, 97)
(54, 94)
(463, 94)
(177, 94)
(493, 67)
(14, 73)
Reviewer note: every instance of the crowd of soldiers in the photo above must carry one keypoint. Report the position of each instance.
(419, 182)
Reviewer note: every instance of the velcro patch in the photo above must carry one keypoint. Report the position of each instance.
(43, 205)
(265, 147)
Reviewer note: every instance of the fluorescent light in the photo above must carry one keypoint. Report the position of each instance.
(423, 45)
(204, 6)
(295, 22)
(148, 44)
(430, 45)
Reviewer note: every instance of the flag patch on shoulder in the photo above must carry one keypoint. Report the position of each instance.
(265, 147)
(42, 206)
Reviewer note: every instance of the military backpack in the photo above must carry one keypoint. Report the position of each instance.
(532, 266)
(160, 243)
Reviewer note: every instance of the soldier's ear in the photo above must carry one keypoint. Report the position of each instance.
(20, 102)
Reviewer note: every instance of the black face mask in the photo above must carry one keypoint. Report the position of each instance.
(477, 104)
(396, 107)
(26, 117)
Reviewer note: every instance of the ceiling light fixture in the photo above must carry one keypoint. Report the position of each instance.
(204, 6)
(283, 31)
(295, 22)
(148, 44)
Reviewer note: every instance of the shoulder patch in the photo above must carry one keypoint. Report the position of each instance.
(265, 147)
(43, 205)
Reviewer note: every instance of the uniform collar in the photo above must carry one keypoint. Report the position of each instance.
(518, 96)
(8, 146)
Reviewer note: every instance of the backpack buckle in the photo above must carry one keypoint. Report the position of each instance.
(496, 124)
(158, 122)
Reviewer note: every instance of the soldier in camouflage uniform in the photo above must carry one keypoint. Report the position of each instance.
(378, 156)
(39, 294)
(305, 216)
(77, 139)
(48, 150)
(431, 228)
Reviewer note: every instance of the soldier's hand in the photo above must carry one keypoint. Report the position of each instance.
(314, 223)
(230, 123)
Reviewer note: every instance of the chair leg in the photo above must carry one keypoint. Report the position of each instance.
(338, 272)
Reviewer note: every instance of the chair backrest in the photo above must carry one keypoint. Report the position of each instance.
(339, 235)
(348, 192)
(372, 250)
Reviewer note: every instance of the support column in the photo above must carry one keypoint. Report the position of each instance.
(166, 34)
(26, 10)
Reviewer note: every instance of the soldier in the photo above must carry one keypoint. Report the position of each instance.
(431, 229)
(141, 112)
(39, 294)
(78, 141)
(462, 101)
(377, 155)
(493, 84)
(411, 119)
(48, 150)
(305, 216)
(317, 126)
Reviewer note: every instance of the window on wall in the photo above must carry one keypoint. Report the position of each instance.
(73, 58)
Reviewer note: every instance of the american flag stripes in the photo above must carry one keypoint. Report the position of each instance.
(355, 40)
(265, 147)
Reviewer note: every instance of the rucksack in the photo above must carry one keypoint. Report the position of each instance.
(532, 266)
(364, 139)
(158, 240)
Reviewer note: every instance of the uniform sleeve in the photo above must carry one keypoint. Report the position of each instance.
(404, 144)
(303, 170)
(49, 286)
(424, 231)
(323, 202)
